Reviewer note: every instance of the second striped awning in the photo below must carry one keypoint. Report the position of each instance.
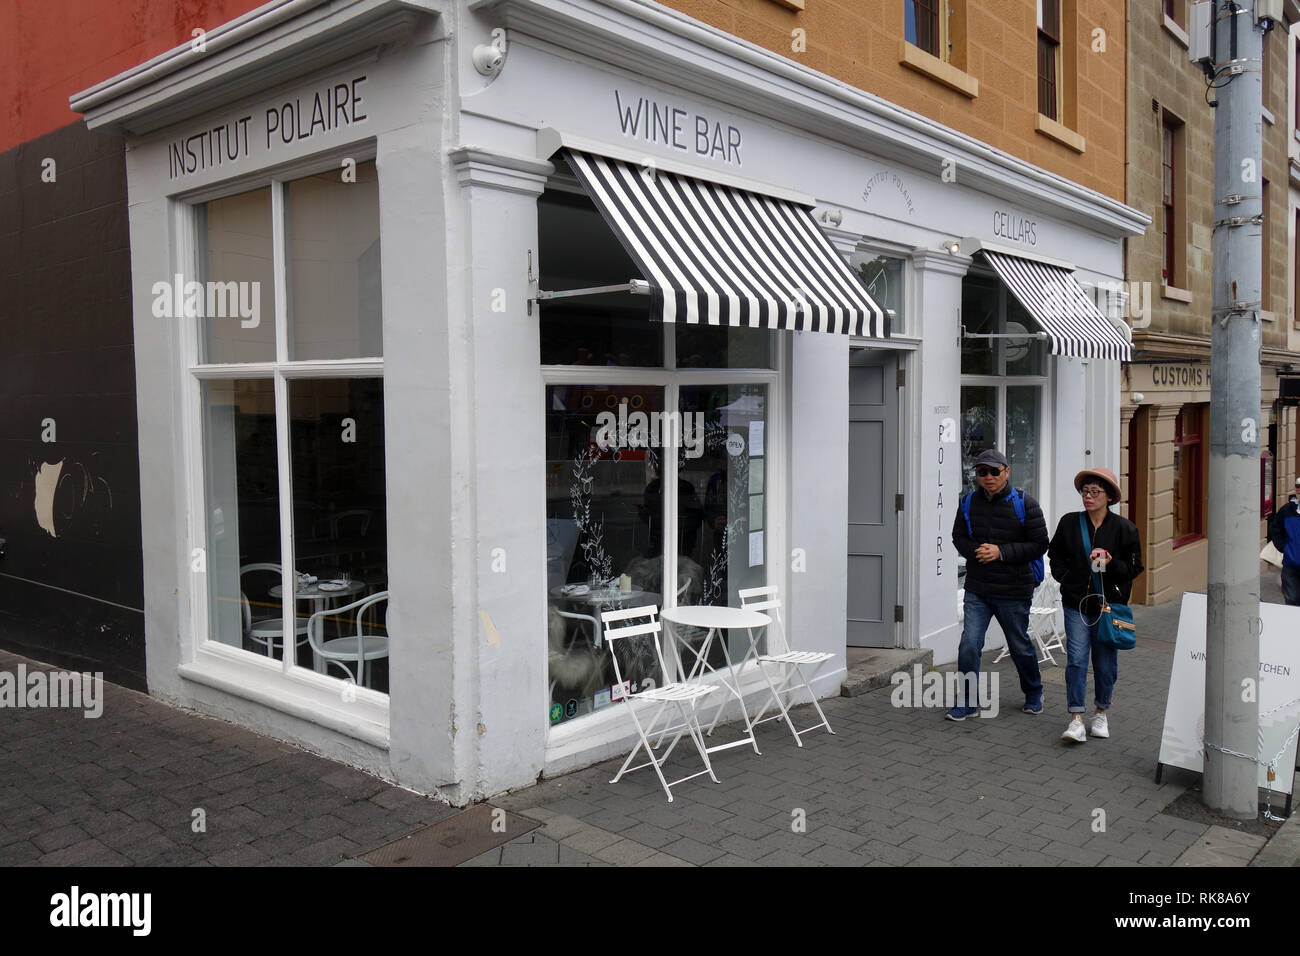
(1053, 296)
(718, 255)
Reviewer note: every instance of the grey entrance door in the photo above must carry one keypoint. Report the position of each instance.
(873, 483)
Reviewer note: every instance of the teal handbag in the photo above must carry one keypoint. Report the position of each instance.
(1115, 626)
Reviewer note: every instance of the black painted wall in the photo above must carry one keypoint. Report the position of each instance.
(71, 591)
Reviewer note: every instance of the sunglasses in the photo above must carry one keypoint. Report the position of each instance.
(986, 471)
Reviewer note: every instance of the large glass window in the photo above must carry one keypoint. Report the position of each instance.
(235, 305)
(656, 481)
(335, 302)
(1002, 382)
(328, 427)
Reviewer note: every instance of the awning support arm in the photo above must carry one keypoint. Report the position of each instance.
(634, 286)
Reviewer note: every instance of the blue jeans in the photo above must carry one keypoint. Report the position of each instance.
(1014, 618)
(1080, 638)
(1291, 585)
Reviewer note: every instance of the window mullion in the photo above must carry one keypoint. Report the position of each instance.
(288, 562)
(671, 526)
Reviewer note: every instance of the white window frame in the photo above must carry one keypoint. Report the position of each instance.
(282, 685)
(1002, 381)
(609, 723)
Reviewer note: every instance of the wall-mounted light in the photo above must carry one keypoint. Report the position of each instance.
(1138, 398)
(490, 57)
(953, 246)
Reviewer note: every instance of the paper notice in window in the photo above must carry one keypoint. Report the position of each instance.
(755, 548)
(756, 476)
(756, 512)
(755, 439)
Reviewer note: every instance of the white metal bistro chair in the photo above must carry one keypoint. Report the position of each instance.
(267, 632)
(1046, 622)
(790, 663)
(686, 697)
(357, 649)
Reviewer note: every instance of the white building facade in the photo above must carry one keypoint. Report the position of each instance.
(405, 416)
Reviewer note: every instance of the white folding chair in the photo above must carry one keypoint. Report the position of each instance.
(1046, 622)
(685, 696)
(789, 662)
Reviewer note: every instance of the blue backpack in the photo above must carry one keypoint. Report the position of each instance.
(1018, 502)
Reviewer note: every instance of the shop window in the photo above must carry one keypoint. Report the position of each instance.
(1049, 58)
(1002, 383)
(884, 277)
(275, 410)
(656, 480)
(335, 305)
(1189, 475)
(577, 250)
(237, 318)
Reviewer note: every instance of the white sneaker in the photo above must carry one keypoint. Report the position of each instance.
(1075, 731)
(1100, 727)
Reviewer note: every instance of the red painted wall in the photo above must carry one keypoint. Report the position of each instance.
(50, 49)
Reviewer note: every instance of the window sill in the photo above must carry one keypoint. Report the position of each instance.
(1174, 30)
(1060, 133)
(1267, 316)
(789, 4)
(1187, 539)
(1267, 113)
(1176, 294)
(914, 58)
(304, 694)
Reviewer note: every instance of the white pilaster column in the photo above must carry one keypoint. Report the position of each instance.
(934, 561)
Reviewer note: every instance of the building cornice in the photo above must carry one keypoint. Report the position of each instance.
(274, 43)
(1154, 346)
(652, 40)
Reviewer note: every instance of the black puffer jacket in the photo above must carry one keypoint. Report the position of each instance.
(994, 521)
(1070, 565)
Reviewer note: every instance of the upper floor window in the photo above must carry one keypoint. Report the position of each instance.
(923, 25)
(1174, 11)
(1171, 200)
(1049, 58)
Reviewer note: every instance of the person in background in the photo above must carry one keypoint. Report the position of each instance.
(1117, 555)
(1284, 532)
(998, 549)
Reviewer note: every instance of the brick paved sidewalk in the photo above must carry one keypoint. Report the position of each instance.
(894, 786)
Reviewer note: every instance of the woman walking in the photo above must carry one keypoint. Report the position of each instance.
(1116, 553)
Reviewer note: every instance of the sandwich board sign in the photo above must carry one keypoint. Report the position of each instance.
(1278, 684)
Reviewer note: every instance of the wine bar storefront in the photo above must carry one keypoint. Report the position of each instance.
(451, 333)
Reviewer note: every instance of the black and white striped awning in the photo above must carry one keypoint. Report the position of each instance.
(1053, 297)
(720, 255)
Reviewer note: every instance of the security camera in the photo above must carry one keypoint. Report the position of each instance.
(490, 57)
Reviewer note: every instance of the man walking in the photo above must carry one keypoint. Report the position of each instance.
(1285, 535)
(1000, 531)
